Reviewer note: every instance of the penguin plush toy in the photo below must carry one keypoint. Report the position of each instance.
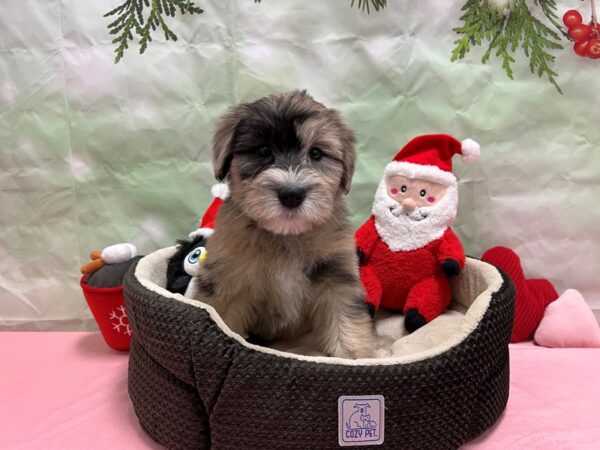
(185, 263)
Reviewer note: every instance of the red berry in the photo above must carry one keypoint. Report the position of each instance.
(572, 18)
(592, 50)
(580, 32)
(580, 48)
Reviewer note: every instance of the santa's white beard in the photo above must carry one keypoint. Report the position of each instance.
(403, 232)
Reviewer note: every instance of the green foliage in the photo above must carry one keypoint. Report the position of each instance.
(505, 29)
(365, 5)
(130, 20)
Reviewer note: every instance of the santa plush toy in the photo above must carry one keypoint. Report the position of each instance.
(407, 249)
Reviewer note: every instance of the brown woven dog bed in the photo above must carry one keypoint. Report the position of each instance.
(195, 384)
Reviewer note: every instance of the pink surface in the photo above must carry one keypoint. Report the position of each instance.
(554, 401)
(69, 391)
(65, 391)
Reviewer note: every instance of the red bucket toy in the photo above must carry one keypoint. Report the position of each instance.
(108, 308)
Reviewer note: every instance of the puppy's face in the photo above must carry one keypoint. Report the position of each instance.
(287, 159)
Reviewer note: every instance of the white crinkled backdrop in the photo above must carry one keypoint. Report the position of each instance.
(93, 153)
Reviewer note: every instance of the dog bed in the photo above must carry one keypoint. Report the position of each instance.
(195, 384)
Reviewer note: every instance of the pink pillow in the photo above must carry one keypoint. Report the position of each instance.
(568, 322)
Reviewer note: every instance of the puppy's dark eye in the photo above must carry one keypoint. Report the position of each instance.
(315, 153)
(423, 193)
(263, 152)
(403, 188)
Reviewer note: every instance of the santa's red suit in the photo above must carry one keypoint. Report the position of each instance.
(405, 262)
(405, 280)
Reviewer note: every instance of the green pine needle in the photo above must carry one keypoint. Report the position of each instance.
(504, 31)
(130, 20)
(365, 5)
(507, 30)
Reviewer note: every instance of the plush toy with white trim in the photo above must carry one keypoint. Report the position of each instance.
(220, 192)
(190, 255)
(407, 249)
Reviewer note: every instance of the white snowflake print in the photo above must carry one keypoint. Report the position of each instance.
(121, 321)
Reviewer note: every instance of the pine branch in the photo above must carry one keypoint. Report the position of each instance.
(505, 29)
(364, 5)
(538, 38)
(549, 9)
(130, 20)
(479, 24)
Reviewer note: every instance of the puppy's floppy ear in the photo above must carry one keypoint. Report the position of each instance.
(345, 137)
(348, 142)
(222, 140)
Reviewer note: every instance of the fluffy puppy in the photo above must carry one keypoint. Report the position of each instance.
(282, 261)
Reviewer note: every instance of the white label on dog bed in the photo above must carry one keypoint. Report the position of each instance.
(361, 420)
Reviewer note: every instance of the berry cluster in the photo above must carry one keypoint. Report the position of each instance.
(586, 37)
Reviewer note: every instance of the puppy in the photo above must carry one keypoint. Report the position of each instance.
(282, 261)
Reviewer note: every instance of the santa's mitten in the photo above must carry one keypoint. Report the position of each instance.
(529, 305)
(372, 288)
(451, 267)
(413, 320)
(360, 255)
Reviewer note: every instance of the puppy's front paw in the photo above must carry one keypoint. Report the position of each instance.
(364, 353)
(355, 353)
(383, 352)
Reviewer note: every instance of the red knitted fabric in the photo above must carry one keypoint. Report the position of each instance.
(532, 296)
(543, 289)
(411, 279)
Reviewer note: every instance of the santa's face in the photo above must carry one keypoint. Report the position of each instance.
(413, 196)
(411, 212)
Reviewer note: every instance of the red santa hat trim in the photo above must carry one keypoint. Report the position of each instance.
(430, 157)
(206, 227)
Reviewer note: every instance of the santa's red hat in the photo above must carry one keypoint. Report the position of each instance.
(429, 157)
(206, 227)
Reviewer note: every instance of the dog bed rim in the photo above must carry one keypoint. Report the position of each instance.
(475, 313)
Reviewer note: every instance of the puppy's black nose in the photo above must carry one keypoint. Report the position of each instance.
(291, 197)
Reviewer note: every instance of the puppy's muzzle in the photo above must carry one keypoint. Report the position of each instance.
(291, 197)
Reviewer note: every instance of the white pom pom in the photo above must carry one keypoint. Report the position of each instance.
(470, 151)
(220, 190)
(118, 253)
